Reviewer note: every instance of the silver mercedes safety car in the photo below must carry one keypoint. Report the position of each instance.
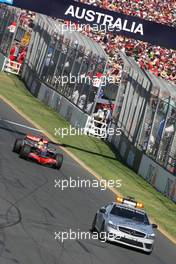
(125, 222)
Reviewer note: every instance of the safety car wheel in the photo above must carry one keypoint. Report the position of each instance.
(94, 223)
(102, 235)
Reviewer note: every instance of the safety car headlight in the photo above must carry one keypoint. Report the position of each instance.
(150, 236)
(110, 224)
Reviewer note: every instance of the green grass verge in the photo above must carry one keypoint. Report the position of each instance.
(104, 161)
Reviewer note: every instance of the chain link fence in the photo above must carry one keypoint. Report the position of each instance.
(146, 112)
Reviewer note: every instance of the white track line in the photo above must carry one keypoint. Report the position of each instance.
(21, 125)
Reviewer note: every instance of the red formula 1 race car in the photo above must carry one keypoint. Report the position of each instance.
(36, 148)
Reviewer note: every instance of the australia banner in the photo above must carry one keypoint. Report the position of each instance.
(117, 23)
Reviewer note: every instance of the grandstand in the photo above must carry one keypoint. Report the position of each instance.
(161, 11)
(160, 61)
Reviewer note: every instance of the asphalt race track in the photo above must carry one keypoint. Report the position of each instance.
(32, 209)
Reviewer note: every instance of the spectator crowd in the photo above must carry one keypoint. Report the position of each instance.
(158, 60)
(19, 48)
(27, 19)
(160, 11)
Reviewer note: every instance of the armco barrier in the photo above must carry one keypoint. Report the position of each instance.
(63, 106)
(157, 176)
(128, 152)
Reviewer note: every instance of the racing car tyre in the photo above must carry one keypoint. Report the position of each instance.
(148, 253)
(17, 145)
(102, 232)
(59, 161)
(24, 153)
